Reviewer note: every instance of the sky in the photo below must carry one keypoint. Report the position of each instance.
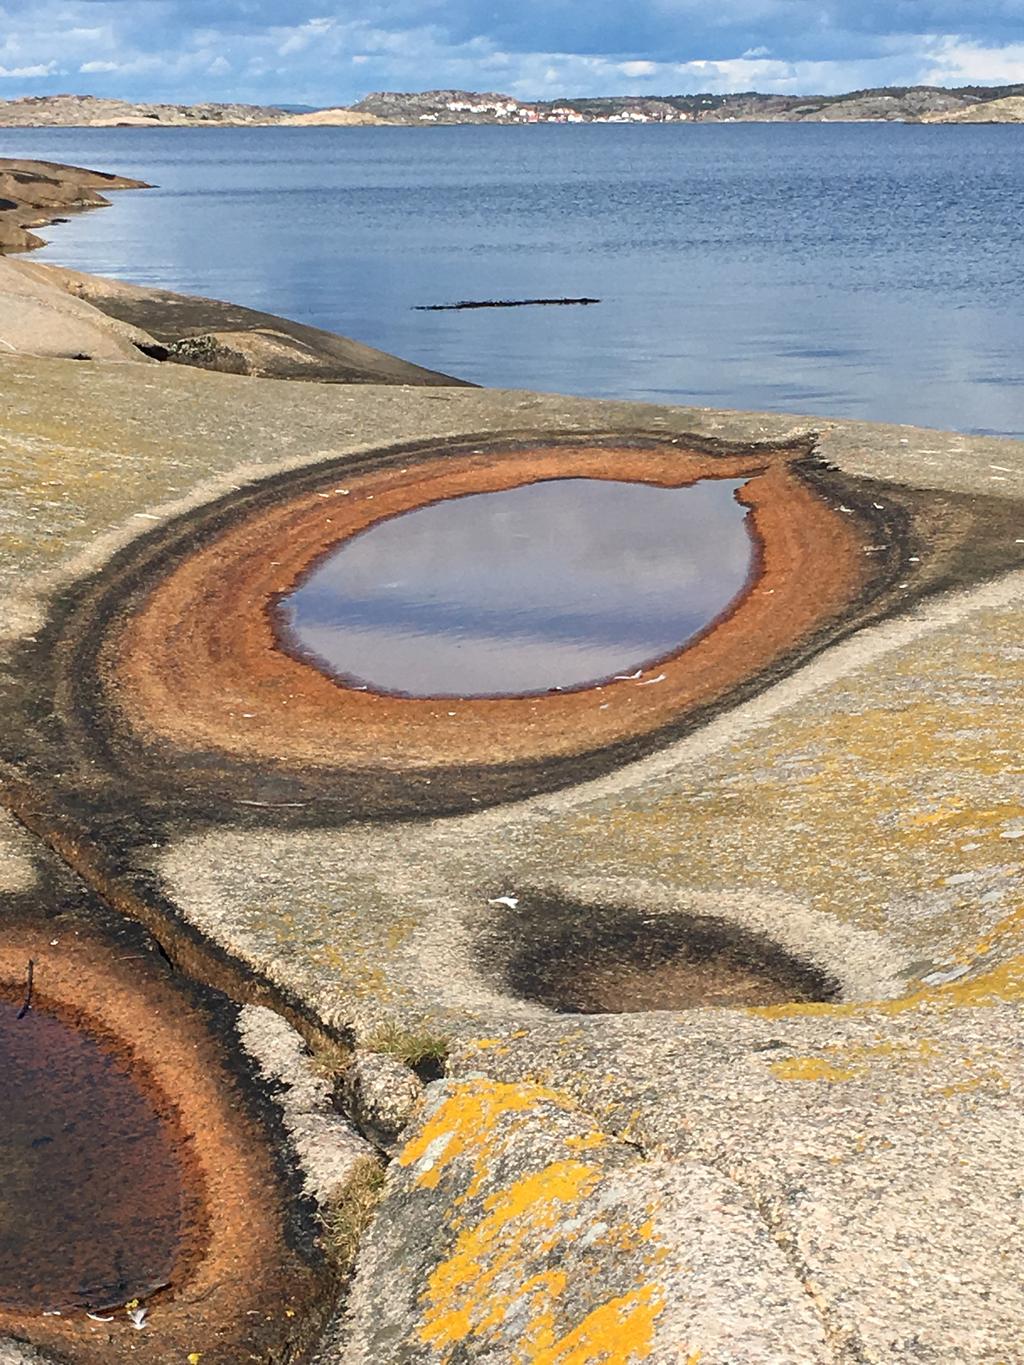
(325, 52)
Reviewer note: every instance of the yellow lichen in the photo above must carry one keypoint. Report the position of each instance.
(586, 1143)
(618, 1332)
(466, 1121)
(464, 1295)
(810, 1069)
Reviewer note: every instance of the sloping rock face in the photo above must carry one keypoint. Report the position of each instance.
(333, 118)
(512, 1227)
(1009, 110)
(831, 1177)
(33, 193)
(213, 335)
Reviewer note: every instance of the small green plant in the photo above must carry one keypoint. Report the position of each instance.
(415, 1046)
(347, 1216)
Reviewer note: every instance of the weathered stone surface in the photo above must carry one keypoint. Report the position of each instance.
(381, 1093)
(17, 864)
(15, 1353)
(326, 1145)
(833, 1182)
(881, 1145)
(39, 319)
(511, 1228)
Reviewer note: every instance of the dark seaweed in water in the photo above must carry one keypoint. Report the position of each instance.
(91, 1192)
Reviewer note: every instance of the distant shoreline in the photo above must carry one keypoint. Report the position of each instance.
(452, 108)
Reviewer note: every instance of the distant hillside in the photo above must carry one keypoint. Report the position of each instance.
(86, 111)
(1009, 110)
(896, 104)
(333, 118)
(913, 104)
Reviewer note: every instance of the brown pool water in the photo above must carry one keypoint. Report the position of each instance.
(558, 584)
(91, 1195)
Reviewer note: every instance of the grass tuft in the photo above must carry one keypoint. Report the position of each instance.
(414, 1047)
(347, 1216)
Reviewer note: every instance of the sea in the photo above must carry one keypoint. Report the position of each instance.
(848, 270)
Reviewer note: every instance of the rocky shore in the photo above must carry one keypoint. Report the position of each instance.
(54, 312)
(389, 961)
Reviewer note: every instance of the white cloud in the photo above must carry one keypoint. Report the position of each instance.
(146, 51)
(955, 61)
(27, 73)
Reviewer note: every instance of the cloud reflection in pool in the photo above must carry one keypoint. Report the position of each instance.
(556, 584)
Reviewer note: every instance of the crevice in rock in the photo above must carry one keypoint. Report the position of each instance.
(184, 947)
(153, 349)
(841, 1339)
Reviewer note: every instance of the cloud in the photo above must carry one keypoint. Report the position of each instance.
(27, 72)
(958, 62)
(329, 52)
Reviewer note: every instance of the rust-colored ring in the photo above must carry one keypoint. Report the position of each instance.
(238, 1284)
(198, 668)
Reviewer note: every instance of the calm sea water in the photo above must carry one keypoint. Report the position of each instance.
(862, 270)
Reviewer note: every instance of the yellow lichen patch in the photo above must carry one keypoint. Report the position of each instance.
(921, 755)
(464, 1123)
(810, 1069)
(1009, 927)
(999, 986)
(587, 1142)
(615, 1333)
(470, 1293)
(1002, 985)
(851, 1061)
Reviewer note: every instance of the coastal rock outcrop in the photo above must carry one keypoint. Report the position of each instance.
(610, 1157)
(34, 193)
(48, 311)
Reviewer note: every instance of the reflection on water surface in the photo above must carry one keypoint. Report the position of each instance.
(552, 585)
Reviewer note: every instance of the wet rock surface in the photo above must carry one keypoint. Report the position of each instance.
(92, 1189)
(149, 1200)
